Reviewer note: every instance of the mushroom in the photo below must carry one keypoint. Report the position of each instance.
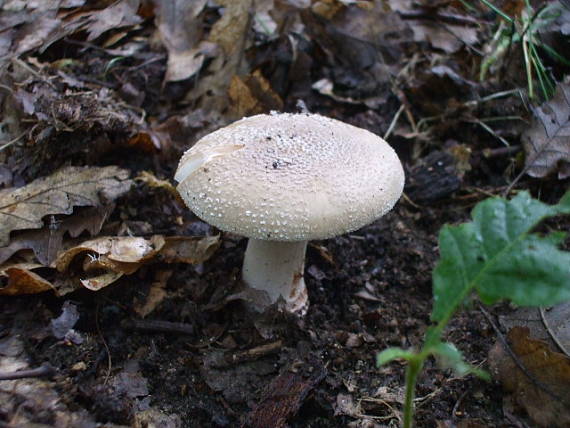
(282, 180)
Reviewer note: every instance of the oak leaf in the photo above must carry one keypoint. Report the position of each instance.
(26, 207)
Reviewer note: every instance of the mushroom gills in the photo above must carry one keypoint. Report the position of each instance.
(194, 161)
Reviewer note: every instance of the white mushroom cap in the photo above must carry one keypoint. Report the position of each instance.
(290, 177)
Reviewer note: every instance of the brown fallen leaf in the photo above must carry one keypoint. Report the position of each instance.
(181, 30)
(229, 34)
(98, 282)
(547, 141)
(47, 242)
(59, 193)
(156, 294)
(550, 325)
(122, 254)
(21, 280)
(104, 260)
(543, 390)
(252, 94)
(97, 263)
(283, 398)
(189, 249)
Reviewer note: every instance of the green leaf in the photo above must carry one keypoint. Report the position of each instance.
(392, 354)
(497, 255)
(451, 357)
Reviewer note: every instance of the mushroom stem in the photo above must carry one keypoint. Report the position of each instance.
(277, 269)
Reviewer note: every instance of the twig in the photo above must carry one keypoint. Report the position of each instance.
(14, 140)
(551, 333)
(254, 353)
(490, 131)
(45, 370)
(409, 200)
(394, 415)
(501, 151)
(157, 326)
(516, 359)
(394, 121)
(441, 17)
(31, 70)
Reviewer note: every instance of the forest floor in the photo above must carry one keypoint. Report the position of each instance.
(125, 306)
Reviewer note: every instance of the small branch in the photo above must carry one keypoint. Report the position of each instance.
(15, 140)
(45, 370)
(446, 18)
(157, 326)
(228, 359)
(501, 151)
(254, 353)
(394, 121)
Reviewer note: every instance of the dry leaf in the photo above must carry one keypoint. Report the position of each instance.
(47, 242)
(121, 253)
(363, 46)
(449, 38)
(156, 294)
(98, 282)
(104, 260)
(252, 94)
(544, 367)
(547, 142)
(181, 32)
(100, 262)
(21, 280)
(552, 327)
(25, 207)
(189, 249)
(427, 26)
(120, 14)
(38, 31)
(229, 33)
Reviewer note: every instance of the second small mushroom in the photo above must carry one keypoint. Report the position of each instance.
(282, 180)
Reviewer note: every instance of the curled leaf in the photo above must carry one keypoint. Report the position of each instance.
(21, 280)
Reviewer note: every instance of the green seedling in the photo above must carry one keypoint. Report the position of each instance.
(524, 30)
(497, 256)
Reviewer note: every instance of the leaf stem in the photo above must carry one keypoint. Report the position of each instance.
(414, 368)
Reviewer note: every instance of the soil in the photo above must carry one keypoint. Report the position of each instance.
(200, 358)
